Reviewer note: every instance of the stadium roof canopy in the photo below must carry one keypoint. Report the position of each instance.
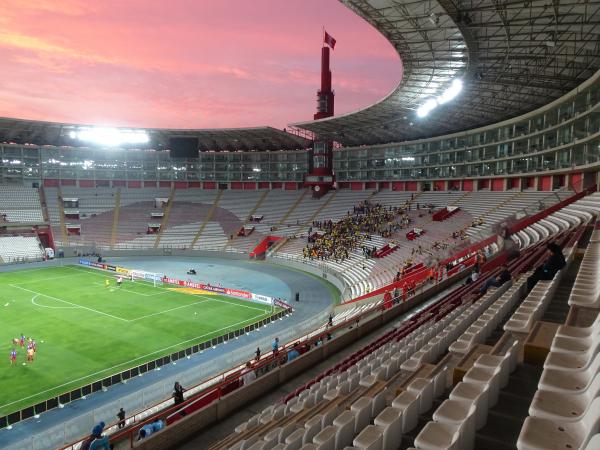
(221, 139)
(512, 55)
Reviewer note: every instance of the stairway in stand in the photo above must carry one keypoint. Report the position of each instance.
(293, 207)
(113, 234)
(165, 219)
(61, 215)
(209, 216)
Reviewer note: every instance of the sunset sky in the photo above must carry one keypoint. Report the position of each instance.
(184, 63)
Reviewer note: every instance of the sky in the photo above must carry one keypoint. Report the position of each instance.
(185, 63)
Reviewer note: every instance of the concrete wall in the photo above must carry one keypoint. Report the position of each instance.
(329, 276)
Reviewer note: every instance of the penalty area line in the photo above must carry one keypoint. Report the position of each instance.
(69, 303)
(167, 310)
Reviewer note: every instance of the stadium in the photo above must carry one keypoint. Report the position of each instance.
(420, 273)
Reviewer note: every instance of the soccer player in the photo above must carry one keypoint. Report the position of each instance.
(22, 341)
(13, 357)
(30, 354)
(119, 280)
(107, 282)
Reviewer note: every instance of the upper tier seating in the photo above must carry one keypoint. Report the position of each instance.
(571, 216)
(362, 275)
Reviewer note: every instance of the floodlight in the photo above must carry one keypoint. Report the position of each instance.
(427, 107)
(451, 92)
(111, 137)
(446, 96)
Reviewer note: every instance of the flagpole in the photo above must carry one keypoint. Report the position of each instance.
(323, 38)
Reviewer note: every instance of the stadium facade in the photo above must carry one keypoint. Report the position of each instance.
(527, 116)
(550, 147)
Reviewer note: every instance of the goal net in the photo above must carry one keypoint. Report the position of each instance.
(150, 277)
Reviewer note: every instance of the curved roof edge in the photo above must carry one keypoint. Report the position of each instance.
(512, 60)
(22, 131)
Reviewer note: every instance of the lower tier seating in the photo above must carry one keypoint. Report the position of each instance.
(20, 248)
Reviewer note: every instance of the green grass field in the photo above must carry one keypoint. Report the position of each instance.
(86, 331)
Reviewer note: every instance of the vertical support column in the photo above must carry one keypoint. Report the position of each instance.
(320, 176)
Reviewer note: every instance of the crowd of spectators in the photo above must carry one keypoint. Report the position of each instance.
(460, 234)
(335, 240)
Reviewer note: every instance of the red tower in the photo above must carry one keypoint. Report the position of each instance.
(325, 95)
(320, 176)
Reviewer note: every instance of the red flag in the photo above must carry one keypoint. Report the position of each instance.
(329, 40)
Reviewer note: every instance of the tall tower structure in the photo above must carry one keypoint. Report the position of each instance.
(325, 96)
(320, 177)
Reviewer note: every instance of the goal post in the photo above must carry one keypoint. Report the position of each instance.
(150, 277)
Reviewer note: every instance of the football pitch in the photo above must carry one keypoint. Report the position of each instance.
(86, 331)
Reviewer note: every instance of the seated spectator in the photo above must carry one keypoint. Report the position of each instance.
(150, 428)
(96, 441)
(474, 275)
(496, 281)
(293, 353)
(553, 263)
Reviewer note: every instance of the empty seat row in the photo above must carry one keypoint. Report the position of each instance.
(565, 410)
(491, 318)
(535, 304)
(456, 419)
(586, 289)
(438, 344)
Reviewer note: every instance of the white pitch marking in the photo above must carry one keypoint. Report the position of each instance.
(69, 303)
(44, 279)
(167, 310)
(173, 289)
(52, 307)
(234, 304)
(113, 289)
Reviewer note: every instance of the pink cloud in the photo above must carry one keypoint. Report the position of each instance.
(185, 64)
